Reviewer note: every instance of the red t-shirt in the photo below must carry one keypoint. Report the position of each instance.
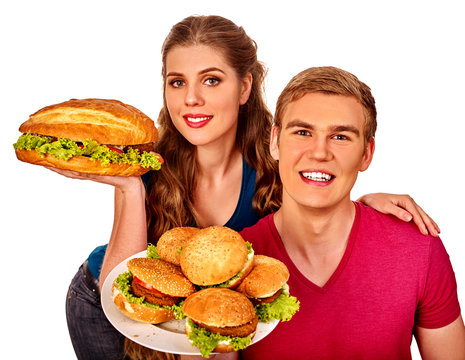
(390, 279)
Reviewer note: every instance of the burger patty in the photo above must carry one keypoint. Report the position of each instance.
(152, 297)
(266, 300)
(239, 331)
(141, 147)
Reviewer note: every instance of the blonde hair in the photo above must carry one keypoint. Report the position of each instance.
(328, 80)
(170, 201)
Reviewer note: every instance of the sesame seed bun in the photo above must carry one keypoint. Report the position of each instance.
(219, 307)
(170, 243)
(213, 255)
(266, 278)
(221, 311)
(163, 276)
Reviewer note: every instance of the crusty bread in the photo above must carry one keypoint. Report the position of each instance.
(165, 277)
(140, 312)
(105, 121)
(171, 241)
(213, 255)
(81, 164)
(267, 276)
(219, 307)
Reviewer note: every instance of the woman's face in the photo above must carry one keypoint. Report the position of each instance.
(203, 94)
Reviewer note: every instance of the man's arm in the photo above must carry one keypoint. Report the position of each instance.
(447, 342)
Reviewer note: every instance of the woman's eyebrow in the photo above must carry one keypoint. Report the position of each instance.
(204, 71)
(213, 68)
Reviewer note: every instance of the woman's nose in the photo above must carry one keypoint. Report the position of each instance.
(193, 96)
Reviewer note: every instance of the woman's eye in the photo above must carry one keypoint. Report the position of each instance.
(176, 83)
(212, 81)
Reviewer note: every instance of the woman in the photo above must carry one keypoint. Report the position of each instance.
(214, 137)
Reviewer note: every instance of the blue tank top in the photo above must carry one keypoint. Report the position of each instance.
(244, 215)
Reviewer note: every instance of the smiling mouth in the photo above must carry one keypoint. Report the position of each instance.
(198, 119)
(317, 176)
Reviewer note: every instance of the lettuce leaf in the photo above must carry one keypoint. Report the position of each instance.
(124, 284)
(152, 252)
(207, 341)
(65, 149)
(283, 308)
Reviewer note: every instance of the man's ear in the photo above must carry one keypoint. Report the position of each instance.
(368, 155)
(246, 87)
(274, 148)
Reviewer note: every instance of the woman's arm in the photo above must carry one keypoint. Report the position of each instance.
(129, 233)
(404, 207)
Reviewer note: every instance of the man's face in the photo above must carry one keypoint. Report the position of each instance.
(321, 149)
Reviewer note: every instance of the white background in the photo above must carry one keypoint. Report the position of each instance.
(409, 52)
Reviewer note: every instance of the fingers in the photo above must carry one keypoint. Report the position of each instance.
(424, 222)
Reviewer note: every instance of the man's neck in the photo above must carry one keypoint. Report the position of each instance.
(316, 239)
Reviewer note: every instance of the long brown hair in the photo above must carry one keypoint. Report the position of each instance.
(170, 201)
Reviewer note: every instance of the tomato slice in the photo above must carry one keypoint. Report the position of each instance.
(160, 159)
(147, 286)
(115, 149)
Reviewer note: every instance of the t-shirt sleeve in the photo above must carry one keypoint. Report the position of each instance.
(439, 305)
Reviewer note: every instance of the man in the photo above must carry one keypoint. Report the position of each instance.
(365, 281)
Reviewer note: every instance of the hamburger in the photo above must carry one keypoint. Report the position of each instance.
(171, 242)
(219, 320)
(95, 136)
(151, 291)
(216, 256)
(266, 287)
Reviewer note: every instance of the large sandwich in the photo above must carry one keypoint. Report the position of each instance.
(266, 287)
(219, 320)
(216, 256)
(96, 136)
(152, 291)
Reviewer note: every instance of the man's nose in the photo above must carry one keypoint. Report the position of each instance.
(319, 148)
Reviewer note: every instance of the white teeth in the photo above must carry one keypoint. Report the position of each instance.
(195, 120)
(316, 176)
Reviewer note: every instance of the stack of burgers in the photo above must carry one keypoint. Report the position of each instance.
(212, 278)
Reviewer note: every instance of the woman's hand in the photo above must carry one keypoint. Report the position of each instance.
(120, 182)
(404, 207)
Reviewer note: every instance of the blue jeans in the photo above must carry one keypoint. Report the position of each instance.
(92, 335)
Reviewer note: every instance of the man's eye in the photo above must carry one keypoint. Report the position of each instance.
(303, 132)
(340, 137)
(176, 83)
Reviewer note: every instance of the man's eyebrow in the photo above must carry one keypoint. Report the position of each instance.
(204, 71)
(344, 128)
(299, 123)
(335, 128)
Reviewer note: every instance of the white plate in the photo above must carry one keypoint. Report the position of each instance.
(167, 337)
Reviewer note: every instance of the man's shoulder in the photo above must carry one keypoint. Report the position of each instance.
(391, 230)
